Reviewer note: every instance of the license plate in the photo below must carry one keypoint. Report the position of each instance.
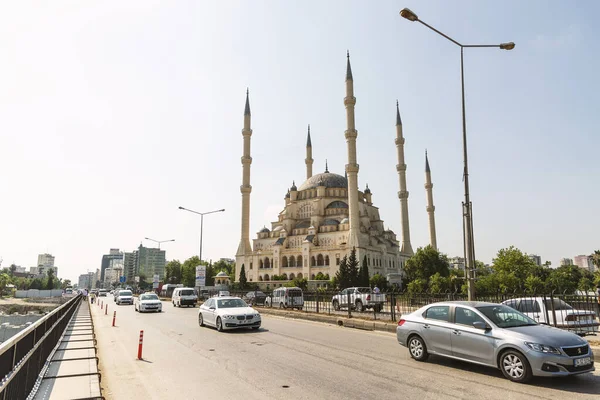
(579, 362)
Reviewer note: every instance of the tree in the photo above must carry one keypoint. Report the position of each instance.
(363, 273)
(65, 284)
(12, 269)
(585, 284)
(438, 283)
(353, 269)
(50, 281)
(302, 283)
(188, 271)
(534, 284)
(173, 272)
(417, 286)
(243, 279)
(596, 259)
(564, 279)
(514, 261)
(379, 280)
(36, 283)
(425, 263)
(341, 276)
(4, 281)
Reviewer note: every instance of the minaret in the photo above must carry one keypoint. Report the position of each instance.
(405, 248)
(430, 206)
(244, 248)
(309, 159)
(352, 166)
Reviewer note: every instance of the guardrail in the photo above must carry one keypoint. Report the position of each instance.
(23, 356)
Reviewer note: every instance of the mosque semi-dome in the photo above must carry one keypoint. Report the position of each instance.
(327, 179)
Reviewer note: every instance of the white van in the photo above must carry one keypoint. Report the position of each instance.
(286, 297)
(184, 296)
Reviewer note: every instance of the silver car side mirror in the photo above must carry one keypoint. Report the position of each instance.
(481, 325)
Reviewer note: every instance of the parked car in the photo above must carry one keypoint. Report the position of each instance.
(557, 313)
(360, 298)
(228, 313)
(184, 297)
(124, 297)
(148, 302)
(494, 335)
(203, 294)
(255, 298)
(286, 297)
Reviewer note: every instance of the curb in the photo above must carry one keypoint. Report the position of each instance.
(335, 320)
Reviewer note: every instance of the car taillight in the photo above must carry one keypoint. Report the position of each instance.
(369, 297)
(401, 322)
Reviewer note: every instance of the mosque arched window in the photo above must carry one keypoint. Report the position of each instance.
(284, 262)
(292, 277)
(327, 261)
(267, 263)
(313, 261)
(299, 261)
(300, 276)
(320, 261)
(292, 261)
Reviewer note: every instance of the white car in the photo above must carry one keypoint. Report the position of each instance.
(148, 302)
(124, 297)
(228, 313)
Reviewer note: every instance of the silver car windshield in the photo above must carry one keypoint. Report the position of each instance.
(506, 317)
(231, 303)
(148, 297)
(124, 293)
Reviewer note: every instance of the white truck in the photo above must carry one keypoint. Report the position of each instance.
(556, 313)
(360, 298)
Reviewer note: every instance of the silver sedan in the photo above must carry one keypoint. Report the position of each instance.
(494, 335)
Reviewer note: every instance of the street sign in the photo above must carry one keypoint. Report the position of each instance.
(154, 285)
(122, 279)
(137, 279)
(201, 275)
(155, 278)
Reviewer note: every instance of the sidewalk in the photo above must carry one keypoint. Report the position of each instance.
(73, 372)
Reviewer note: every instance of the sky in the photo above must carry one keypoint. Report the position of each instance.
(113, 114)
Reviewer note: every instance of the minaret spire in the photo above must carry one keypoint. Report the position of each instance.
(430, 206)
(352, 166)
(244, 248)
(406, 247)
(309, 160)
(326, 167)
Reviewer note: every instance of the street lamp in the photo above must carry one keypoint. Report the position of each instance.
(201, 222)
(468, 236)
(159, 241)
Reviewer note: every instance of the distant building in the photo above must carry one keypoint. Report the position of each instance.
(113, 273)
(566, 261)
(144, 261)
(33, 270)
(86, 280)
(227, 260)
(20, 270)
(536, 259)
(114, 254)
(42, 270)
(457, 263)
(585, 262)
(46, 260)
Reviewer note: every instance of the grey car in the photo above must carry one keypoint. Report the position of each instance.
(494, 335)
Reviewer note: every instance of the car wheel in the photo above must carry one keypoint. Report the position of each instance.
(417, 348)
(173, 304)
(336, 305)
(219, 324)
(200, 319)
(515, 366)
(281, 305)
(359, 306)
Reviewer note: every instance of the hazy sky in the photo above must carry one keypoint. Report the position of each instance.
(113, 114)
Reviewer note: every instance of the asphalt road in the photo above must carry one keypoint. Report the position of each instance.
(299, 359)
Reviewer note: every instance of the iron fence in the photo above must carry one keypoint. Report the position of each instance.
(22, 357)
(576, 313)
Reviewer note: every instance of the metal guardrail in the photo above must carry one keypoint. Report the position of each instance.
(575, 313)
(23, 356)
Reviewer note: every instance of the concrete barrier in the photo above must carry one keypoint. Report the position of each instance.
(34, 293)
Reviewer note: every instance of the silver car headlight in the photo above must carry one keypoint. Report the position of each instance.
(229, 316)
(542, 348)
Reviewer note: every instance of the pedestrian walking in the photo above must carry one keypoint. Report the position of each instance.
(376, 290)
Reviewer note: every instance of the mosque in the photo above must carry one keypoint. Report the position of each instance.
(326, 217)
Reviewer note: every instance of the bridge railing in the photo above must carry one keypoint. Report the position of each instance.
(23, 356)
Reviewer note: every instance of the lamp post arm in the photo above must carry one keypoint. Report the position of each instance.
(441, 34)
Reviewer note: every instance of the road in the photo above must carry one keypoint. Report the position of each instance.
(300, 359)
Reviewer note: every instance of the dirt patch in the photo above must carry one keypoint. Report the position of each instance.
(23, 306)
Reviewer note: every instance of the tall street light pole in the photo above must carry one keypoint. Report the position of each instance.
(159, 241)
(468, 235)
(201, 222)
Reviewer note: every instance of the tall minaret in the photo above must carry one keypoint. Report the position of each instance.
(352, 166)
(406, 248)
(430, 206)
(244, 248)
(309, 159)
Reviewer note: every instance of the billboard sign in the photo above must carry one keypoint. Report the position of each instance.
(155, 278)
(137, 279)
(201, 275)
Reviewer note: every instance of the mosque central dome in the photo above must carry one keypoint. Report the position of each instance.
(327, 179)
